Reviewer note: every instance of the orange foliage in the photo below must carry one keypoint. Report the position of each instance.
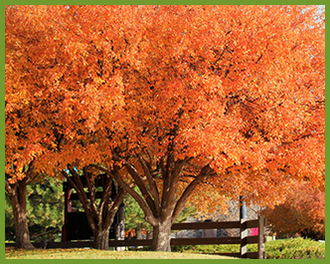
(229, 95)
(303, 210)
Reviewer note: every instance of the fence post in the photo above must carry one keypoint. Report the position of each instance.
(243, 236)
(261, 237)
(243, 226)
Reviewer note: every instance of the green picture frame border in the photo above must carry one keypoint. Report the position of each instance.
(140, 2)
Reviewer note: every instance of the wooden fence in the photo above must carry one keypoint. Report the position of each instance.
(243, 240)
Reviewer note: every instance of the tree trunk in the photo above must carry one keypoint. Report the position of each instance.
(162, 236)
(18, 202)
(101, 239)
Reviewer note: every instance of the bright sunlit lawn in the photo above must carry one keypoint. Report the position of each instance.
(79, 253)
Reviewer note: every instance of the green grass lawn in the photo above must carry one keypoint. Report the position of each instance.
(79, 253)
(297, 248)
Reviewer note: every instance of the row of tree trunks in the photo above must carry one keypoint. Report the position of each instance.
(100, 217)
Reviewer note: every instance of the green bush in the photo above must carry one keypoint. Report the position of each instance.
(207, 249)
(296, 248)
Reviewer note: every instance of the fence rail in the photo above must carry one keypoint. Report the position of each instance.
(242, 240)
(217, 225)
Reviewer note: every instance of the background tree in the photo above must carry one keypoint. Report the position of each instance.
(44, 102)
(303, 212)
(171, 98)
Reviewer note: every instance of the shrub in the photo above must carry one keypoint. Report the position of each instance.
(295, 248)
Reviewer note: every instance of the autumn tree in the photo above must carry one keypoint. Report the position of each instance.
(230, 96)
(302, 212)
(41, 106)
(23, 131)
(178, 99)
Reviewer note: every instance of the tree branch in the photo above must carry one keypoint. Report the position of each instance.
(9, 189)
(115, 175)
(205, 172)
(140, 183)
(107, 190)
(174, 179)
(91, 189)
(112, 210)
(153, 187)
(77, 185)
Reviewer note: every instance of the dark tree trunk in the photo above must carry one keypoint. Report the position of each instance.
(17, 196)
(101, 239)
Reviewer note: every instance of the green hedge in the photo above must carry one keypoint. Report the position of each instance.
(295, 248)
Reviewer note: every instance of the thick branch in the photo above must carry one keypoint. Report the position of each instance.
(112, 210)
(10, 188)
(153, 187)
(91, 189)
(166, 176)
(170, 184)
(115, 175)
(77, 185)
(29, 176)
(107, 190)
(29, 173)
(206, 172)
(140, 183)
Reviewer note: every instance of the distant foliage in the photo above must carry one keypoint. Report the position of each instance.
(45, 210)
(303, 213)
